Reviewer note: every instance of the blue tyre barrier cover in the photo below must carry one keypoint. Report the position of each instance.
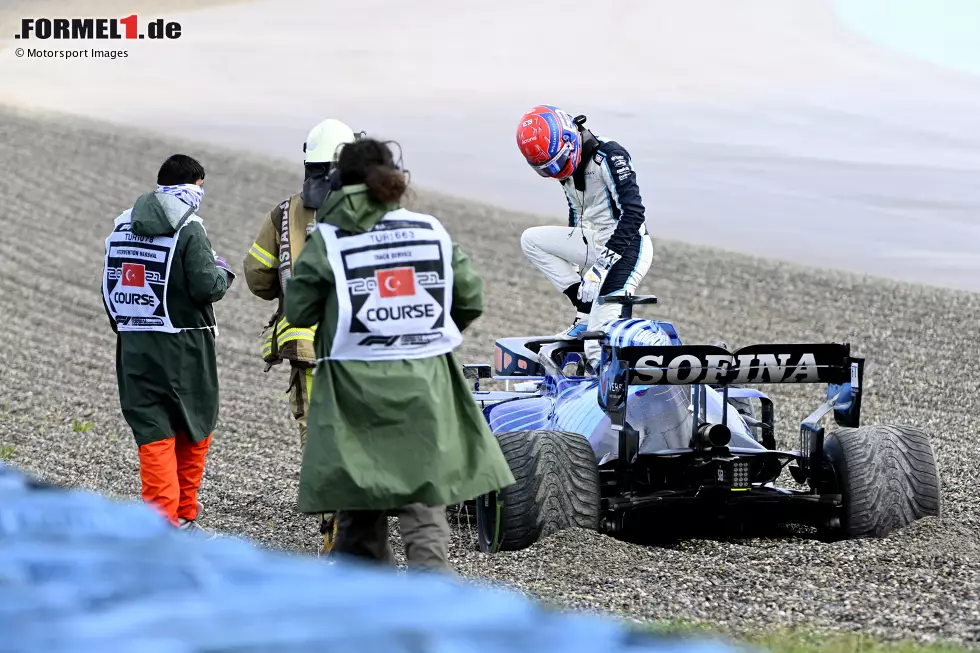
(81, 572)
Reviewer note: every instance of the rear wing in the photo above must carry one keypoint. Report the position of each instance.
(712, 365)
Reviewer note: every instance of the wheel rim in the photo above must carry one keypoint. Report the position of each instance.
(488, 522)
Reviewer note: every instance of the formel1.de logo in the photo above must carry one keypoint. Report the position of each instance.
(96, 28)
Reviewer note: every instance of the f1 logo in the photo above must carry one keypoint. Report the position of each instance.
(396, 282)
(134, 274)
(384, 341)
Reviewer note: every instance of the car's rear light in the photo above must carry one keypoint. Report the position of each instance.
(741, 474)
(736, 474)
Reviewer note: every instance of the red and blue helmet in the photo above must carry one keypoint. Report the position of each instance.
(549, 140)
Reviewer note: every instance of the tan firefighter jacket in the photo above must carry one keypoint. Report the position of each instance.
(268, 265)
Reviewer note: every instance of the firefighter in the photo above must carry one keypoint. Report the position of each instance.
(269, 264)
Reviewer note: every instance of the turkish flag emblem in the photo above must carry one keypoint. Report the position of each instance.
(134, 274)
(397, 282)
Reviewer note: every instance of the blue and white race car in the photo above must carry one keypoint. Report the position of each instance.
(668, 432)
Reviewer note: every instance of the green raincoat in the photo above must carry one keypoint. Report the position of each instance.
(168, 382)
(383, 434)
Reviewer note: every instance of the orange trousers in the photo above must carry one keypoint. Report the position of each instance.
(171, 472)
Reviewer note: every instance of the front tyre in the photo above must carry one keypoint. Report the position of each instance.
(557, 487)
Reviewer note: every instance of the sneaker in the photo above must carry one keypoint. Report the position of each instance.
(191, 526)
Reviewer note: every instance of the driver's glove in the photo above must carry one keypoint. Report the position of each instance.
(596, 276)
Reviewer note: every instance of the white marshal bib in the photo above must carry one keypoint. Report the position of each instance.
(136, 275)
(394, 289)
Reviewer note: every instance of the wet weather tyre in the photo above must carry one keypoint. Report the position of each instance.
(557, 488)
(887, 476)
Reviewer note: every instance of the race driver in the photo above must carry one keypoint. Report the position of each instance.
(605, 249)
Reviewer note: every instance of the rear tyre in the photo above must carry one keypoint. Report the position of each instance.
(887, 476)
(557, 488)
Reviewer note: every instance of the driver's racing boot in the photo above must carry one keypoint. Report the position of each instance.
(579, 326)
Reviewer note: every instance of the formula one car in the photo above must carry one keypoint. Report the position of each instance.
(668, 432)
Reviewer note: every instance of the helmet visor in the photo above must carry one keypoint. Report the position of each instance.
(553, 166)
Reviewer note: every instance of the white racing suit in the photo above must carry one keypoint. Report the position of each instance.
(604, 211)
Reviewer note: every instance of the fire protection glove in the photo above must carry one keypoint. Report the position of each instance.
(592, 281)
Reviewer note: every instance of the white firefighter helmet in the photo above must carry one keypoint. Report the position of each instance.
(324, 141)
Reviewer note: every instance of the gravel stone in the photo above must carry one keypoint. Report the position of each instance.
(62, 182)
